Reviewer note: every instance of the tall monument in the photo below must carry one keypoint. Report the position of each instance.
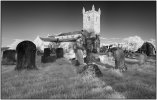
(91, 20)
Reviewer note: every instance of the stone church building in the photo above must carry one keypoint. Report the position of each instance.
(91, 24)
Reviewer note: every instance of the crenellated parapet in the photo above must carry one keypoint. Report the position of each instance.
(91, 11)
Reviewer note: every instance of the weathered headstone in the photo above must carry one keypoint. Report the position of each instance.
(26, 55)
(147, 48)
(142, 58)
(90, 69)
(78, 49)
(79, 56)
(9, 57)
(59, 52)
(48, 57)
(47, 51)
(119, 57)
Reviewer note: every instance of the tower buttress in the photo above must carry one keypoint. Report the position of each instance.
(83, 10)
(99, 11)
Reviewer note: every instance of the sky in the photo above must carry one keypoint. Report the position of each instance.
(119, 19)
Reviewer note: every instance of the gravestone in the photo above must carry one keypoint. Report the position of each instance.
(119, 57)
(148, 49)
(59, 52)
(142, 58)
(47, 51)
(26, 55)
(9, 57)
(47, 57)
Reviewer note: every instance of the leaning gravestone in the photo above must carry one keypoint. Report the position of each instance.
(26, 53)
(89, 70)
(9, 57)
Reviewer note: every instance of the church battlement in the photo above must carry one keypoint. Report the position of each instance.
(91, 11)
(91, 20)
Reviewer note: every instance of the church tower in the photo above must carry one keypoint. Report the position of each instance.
(91, 20)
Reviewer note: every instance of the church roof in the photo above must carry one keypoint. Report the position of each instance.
(70, 33)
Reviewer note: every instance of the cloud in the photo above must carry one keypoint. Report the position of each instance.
(14, 44)
(133, 42)
(133, 39)
(103, 38)
(151, 40)
(109, 38)
(114, 38)
(130, 43)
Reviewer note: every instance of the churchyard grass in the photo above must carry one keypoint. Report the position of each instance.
(60, 80)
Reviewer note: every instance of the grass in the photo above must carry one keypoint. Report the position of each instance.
(60, 80)
(139, 82)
